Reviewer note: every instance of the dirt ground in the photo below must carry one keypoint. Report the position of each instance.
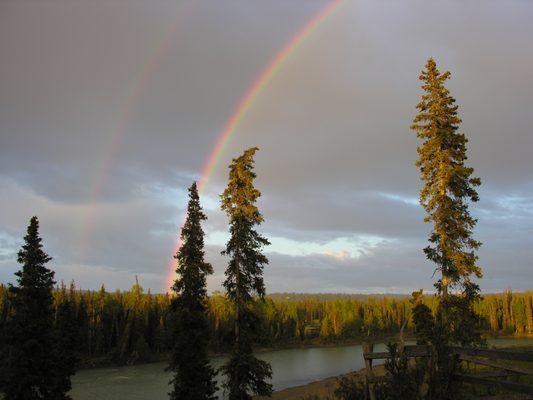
(323, 388)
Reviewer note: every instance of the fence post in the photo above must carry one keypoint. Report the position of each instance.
(370, 392)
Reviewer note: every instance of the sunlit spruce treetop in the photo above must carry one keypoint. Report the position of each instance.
(245, 245)
(239, 197)
(449, 184)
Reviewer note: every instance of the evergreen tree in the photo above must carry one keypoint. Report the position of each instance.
(67, 337)
(34, 365)
(448, 185)
(193, 375)
(244, 279)
(448, 189)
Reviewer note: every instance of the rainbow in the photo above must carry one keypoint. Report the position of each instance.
(248, 100)
(259, 85)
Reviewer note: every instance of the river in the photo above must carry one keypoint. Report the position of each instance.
(292, 367)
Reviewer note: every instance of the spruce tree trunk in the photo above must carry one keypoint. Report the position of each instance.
(444, 285)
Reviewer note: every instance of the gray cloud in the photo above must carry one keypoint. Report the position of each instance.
(108, 111)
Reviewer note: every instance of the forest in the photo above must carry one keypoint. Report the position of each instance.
(133, 326)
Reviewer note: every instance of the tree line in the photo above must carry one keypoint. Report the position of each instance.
(134, 326)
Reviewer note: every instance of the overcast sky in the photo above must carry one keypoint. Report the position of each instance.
(110, 109)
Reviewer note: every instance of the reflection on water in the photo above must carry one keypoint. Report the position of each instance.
(292, 367)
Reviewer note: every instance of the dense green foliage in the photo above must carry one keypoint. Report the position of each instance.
(117, 326)
(193, 375)
(245, 288)
(35, 364)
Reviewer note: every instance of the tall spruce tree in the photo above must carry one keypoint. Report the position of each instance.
(34, 365)
(448, 189)
(448, 185)
(245, 373)
(193, 375)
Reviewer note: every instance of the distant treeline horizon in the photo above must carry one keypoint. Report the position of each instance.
(356, 295)
(133, 326)
(298, 295)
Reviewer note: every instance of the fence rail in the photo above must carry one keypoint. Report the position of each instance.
(483, 357)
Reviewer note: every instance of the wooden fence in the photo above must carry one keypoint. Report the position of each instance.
(485, 357)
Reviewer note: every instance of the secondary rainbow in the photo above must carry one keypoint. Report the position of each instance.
(249, 98)
(127, 111)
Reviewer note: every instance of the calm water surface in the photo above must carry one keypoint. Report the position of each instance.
(292, 367)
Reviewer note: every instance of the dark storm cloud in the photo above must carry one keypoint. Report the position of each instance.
(336, 160)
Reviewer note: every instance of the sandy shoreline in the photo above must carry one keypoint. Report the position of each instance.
(323, 388)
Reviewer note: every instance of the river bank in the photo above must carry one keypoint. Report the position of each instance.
(324, 388)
